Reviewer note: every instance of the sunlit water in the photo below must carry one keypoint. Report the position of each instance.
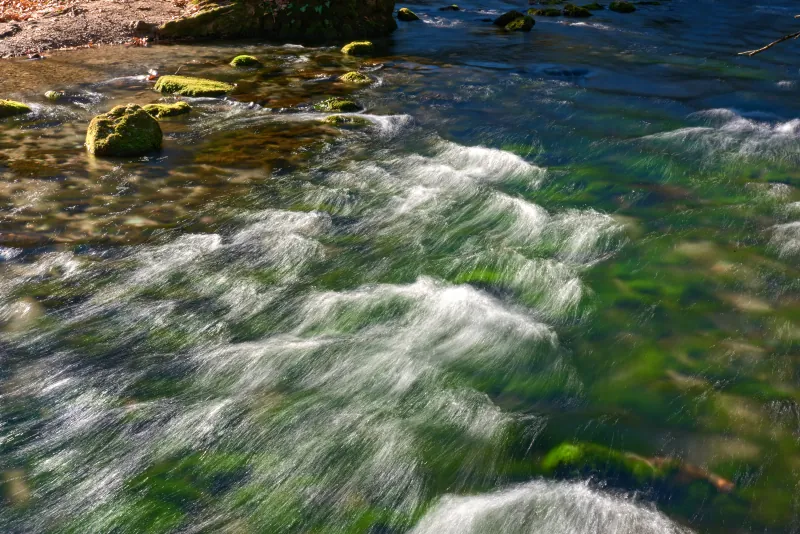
(587, 233)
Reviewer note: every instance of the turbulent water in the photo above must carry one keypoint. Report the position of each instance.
(585, 234)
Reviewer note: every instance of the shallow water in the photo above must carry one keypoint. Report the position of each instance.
(587, 233)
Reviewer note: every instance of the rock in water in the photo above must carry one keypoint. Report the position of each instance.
(188, 86)
(245, 61)
(355, 78)
(622, 7)
(159, 111)
(54, 96)
(507, 18)
(406, 15)
(358, 48)
(522, 24)
(337, 105)
(451, 7)
(11, 107)
(125, 131)
(571, 10)
(346, 121)
(545, 12)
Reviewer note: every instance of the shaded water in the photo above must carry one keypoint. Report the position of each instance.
(588, 233)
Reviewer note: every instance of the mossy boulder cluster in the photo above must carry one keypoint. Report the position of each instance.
(9, 108)
(514, 21)
(125, 131)
(189, 86)
(245, 61)
(307, 21)
(406, 15)
(160, 111)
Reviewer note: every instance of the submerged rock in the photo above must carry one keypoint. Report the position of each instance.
(523, 24)
(9, 108)
(54, 96)
(245, 61)
(451, 7)
(337, 105)
(622, 7)
(307, 21)
(355, 77)
(124, 131)
(346, 121)
(159, 111)
(546, 12)
(406, 15)
(594, 6)
(358, 48)
(189, 86)
(507, 18)
(571, 10)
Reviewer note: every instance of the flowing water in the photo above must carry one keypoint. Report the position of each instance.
(589, 233)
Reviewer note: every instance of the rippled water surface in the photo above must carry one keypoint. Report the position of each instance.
(585, 234)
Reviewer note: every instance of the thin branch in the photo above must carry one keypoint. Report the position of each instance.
(773, 43)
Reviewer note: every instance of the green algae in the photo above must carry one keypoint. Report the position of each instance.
(9, 108)
(160, 111)
(337, 105)
(245, 61)
(123, 132)
(522, 24)
(359, 48)
(357, 78)
(190, 86)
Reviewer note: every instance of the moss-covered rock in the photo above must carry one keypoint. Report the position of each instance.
(406, 15)
(522, 24)
(307, 21)
(54, 96)
(622, 7)
(189, 86)
(245, 61)
(9, 108)
(159, 111)
(125, 131)
(594, 6)
(337, 105)
(359, 48)
(571, 10)
(345, 121)
(507, 18)
(451, 7)
(545, 12)
(355, 78)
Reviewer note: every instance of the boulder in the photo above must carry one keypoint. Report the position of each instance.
(189, 86)
(571, 10)
(622, 7)
(245, 61)
(522, 24)
(160, 111)
(337, 105)
(546, 12)
(594, 6)
(308, 21)
(358, 48)
(54, 96)
(125, 131)
(507, 18)
(346, 121)
(451, 7)
(355, 78)
(9, 108)
(406, 15)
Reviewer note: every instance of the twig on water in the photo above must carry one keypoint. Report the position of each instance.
(773, 43)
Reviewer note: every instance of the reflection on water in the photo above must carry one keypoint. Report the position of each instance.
(584, 234)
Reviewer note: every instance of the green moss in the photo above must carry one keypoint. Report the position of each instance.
(337, 105)
(451, 7)
(622, 7)
(406, 15)
(571, 10)
(594, 6)
(346, 121)
(507, 18)
(523, 24)
(10, 107)
(546, 12)
(245, 61)
(189, 86)
(124, 131)
(159, 111)
(358, 48)
(355, 77)
(54, 95)
(587, 459)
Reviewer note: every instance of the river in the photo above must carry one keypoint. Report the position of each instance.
(585, 234)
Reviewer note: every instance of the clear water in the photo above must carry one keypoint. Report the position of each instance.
(586, 233)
